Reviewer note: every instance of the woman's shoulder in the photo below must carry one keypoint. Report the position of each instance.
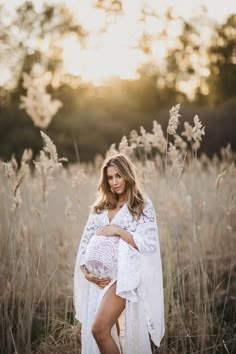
(98, 208)
(147, 202)
(94, 213)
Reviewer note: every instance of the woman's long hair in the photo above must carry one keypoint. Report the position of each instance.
(108, 199)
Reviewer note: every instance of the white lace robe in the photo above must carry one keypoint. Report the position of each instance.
(139, 281)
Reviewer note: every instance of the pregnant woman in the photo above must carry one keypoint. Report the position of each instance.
(118, 267)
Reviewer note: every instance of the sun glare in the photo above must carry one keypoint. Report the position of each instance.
(159, 50)
(110, 53)
(92, 19)
(104, 63)
(112, 47)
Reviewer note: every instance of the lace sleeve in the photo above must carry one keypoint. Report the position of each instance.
(80, 283)
(85, 238)
(146, 234)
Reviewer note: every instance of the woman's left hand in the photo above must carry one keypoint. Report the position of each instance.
(108, 230)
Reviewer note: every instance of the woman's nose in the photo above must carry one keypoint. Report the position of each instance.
(114, 181)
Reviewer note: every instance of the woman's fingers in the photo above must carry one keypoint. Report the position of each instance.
(100, 231)
(108, 230)
(101, 282)
(101, 279)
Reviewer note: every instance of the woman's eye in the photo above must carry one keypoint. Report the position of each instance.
(110, 177)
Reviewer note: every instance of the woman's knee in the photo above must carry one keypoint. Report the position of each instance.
(100, 331)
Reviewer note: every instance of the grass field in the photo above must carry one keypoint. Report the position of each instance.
(44, 210)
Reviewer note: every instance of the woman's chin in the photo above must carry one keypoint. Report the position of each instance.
(120, 192)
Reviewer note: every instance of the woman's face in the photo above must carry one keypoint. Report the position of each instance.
(115, 180)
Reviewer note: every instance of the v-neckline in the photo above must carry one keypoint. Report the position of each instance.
(115, 213)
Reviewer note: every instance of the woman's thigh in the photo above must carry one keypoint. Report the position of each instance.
(110, 308)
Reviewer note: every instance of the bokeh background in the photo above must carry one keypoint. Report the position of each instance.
(115, 66)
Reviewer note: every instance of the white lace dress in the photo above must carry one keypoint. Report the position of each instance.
(101, 257)
(138, 274)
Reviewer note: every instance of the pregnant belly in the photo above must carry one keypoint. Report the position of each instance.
(101, 256)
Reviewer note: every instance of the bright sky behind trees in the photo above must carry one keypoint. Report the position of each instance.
(112, 46)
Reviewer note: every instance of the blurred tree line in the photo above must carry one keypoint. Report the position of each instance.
(92, 118)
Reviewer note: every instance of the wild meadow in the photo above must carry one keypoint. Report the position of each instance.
(44, 207)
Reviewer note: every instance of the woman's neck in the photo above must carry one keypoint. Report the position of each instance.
(122, 199)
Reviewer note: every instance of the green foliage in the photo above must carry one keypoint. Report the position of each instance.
(222, 55)
(92, 118)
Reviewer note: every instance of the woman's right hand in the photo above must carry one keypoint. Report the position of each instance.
(99, 281)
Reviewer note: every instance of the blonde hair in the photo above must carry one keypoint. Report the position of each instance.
(108, 199)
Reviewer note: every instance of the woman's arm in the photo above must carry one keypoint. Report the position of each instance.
(144, 238)
(114, 230)
(127, 237)
(146, 234)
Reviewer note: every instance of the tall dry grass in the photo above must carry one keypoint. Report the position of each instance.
(44, 207)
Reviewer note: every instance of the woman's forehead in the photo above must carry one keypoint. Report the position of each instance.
(112, 170)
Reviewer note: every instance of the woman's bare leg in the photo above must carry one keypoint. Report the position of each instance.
(108, 313)
(118, 327)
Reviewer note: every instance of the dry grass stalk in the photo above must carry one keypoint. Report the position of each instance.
(197, 236)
